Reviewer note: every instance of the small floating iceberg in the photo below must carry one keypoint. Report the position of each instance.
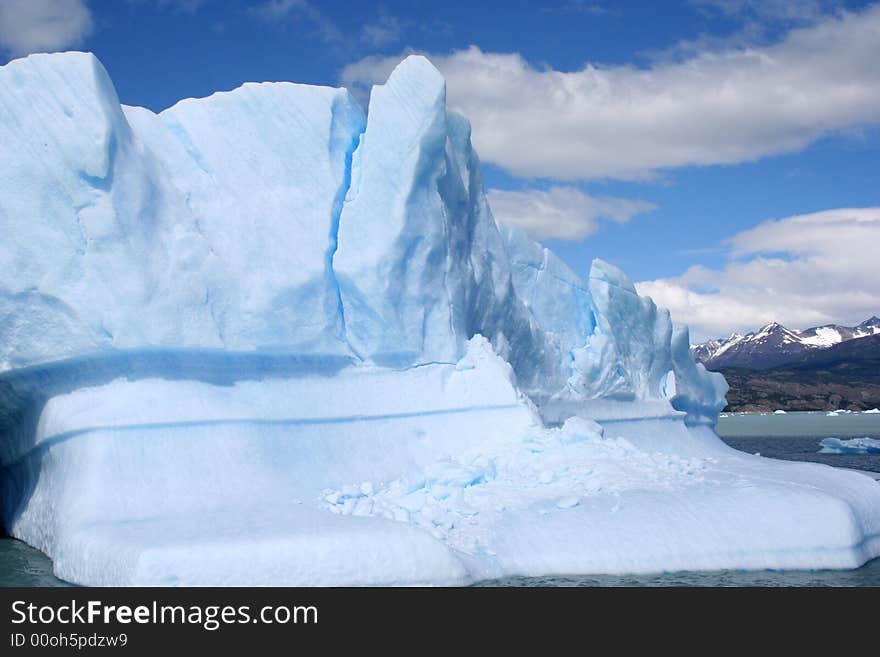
(851, 446)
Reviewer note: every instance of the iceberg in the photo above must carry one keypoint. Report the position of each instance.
(265, 337)
(850, 446)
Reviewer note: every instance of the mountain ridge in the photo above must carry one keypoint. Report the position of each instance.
(774, 345)
(843, 376)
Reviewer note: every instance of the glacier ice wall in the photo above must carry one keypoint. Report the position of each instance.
(209, 225)
(262, 328)
(276, 217)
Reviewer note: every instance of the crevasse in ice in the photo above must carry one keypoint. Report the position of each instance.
(263, 338)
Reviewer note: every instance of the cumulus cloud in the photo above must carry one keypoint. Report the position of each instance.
(564, 213)
(28, 26)
(717, 106)
(801, 271)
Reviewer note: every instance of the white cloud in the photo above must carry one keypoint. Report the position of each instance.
(28, 26)
(386, 29)
(299, 10)
(718, 106)
(563, 213)
(799, 11)
(801, 271)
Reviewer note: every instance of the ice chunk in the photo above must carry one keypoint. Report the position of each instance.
(634, 352)
(850, 446)
(211, 224)
(391, 230)
(265, 169)
(568, 502)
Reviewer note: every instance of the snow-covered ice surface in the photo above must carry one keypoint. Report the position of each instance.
(262, 338)
(850, 446)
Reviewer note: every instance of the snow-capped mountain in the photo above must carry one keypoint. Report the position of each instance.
(774, 345)
(843, 376)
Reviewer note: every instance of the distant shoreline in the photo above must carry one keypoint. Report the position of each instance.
(852, 388)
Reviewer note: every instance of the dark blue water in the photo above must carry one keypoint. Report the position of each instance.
(796, 436)
(798, 448)
(22, 565)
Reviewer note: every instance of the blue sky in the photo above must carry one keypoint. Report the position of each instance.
(680, 141)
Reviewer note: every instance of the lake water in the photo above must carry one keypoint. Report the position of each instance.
(796, 436)
(793, 436)
(22, 565)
